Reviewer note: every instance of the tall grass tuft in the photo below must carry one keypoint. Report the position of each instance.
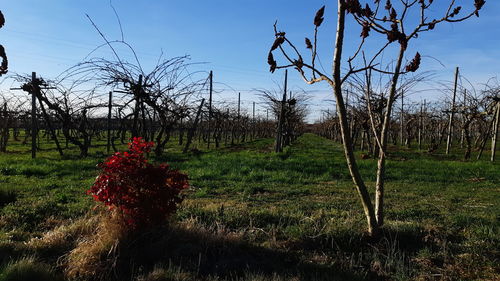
(96, 252)
(28, 269)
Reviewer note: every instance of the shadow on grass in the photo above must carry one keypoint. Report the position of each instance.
(212, 255)
(350, 242)
(225, 256)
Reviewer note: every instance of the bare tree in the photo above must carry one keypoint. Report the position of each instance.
(471, 112)
(391, 21)
(492, 95)
(67, 107)
(292, 112)
(163, 96)
(15, 118)
(6, 121)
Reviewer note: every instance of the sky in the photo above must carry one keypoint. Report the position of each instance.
(232, 38)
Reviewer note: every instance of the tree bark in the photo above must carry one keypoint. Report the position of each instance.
(379, 187)
(344, 126)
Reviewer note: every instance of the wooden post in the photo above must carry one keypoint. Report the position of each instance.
(34, 129)
(201, 131)
(253, 111)
(210, 109)
(181, 131)
(4, 138)
(347, 99)
(226, 127)
(239, 104)
(420, 125)
(238, 131)
(462, 137)
(253, 121)
(495, 133)
(424, 113)
(153, 125)
(450, 124)
(279, 134)
(144, 126)
(363, 135)
(402, 119)
(138, 90)
(110, 106)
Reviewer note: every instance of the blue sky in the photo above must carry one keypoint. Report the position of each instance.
(232, 37)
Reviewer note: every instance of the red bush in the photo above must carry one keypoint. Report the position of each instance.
(144, 193)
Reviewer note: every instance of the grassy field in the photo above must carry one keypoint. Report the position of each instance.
(252, 214)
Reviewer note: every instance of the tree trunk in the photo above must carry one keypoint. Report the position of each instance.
(344, 126)
(379, 187)
(466, 132)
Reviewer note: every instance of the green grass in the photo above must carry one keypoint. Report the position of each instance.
(443, 216)
(27, 269)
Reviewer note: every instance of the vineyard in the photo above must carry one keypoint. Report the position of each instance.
(115, 171)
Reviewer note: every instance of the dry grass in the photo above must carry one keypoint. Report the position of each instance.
(192, 251)
(64, 237)
(106, 248)
(96, 250)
